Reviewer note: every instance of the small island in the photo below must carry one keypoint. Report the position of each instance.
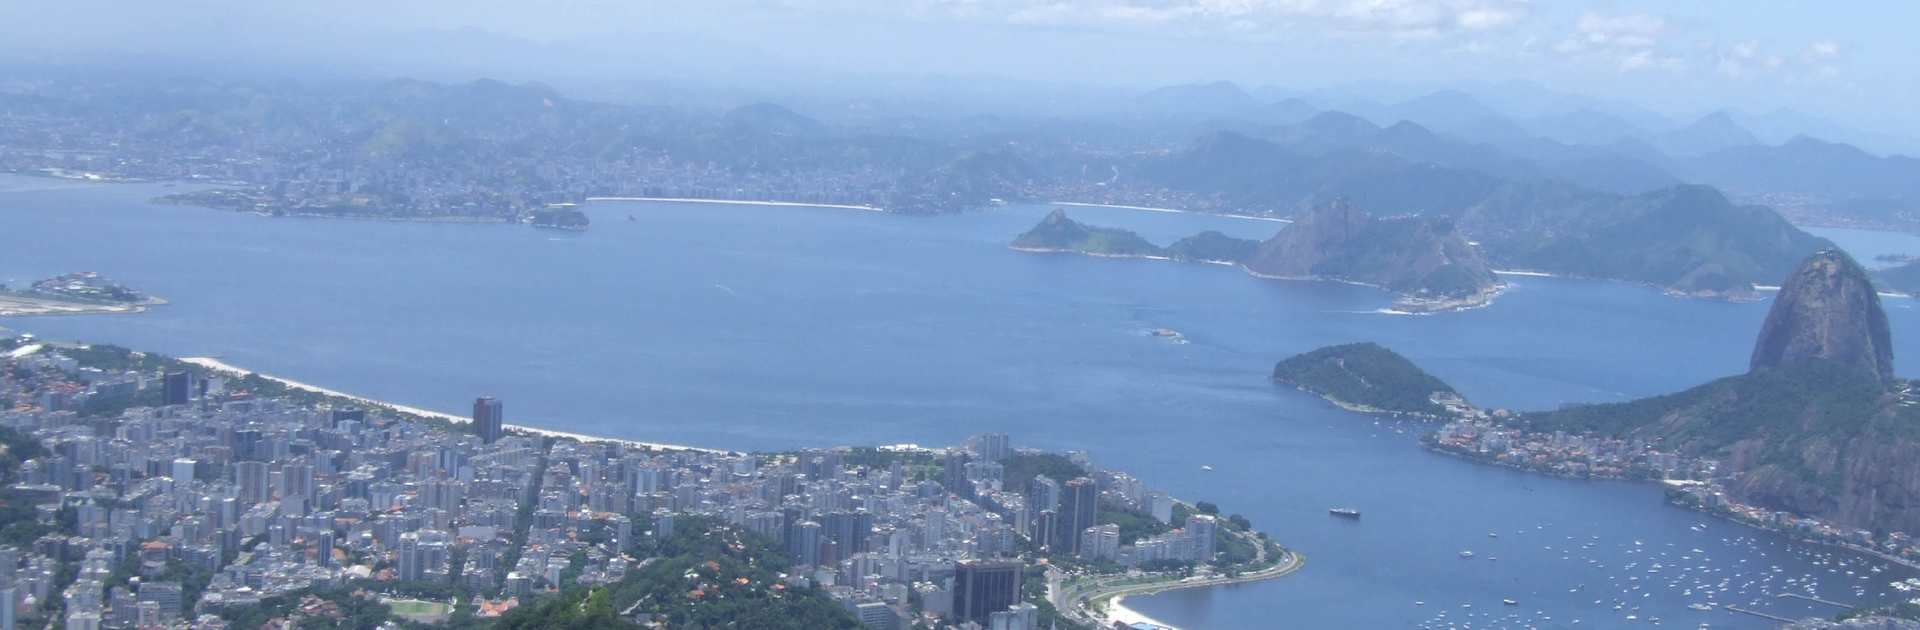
(1425, 259)
(72, 294)
(1057, 233)
(1369, 378)
(564, 217)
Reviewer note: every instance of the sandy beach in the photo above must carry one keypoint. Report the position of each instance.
(747, 203)
(1119, 612)
(220, 366)
(1536, 274)
(1104, 205)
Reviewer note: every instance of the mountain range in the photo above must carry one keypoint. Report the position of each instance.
(1687, 238)
(1818, 165)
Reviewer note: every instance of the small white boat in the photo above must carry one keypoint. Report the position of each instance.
(1206, 468)
(1466, 554)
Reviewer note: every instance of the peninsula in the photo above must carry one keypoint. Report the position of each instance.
(74, 293)
(1424, 259)
(1816, 440)
(535, 524)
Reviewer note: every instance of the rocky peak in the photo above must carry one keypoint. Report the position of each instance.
(1340, 219)
(1827, 309)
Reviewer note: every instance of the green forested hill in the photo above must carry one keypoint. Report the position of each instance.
(1364, 374)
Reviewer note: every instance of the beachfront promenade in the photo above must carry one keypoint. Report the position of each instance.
(1101, 600)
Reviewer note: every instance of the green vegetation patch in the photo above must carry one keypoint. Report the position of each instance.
(1365, 374)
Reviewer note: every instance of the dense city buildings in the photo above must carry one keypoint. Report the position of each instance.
(177, 512)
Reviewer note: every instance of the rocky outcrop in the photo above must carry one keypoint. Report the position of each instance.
(1818, 427)
(1421, 256)
(1057, 233)
(1827, 309)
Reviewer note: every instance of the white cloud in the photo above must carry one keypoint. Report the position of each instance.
(1402, 19)
(1630, 30)
(1625, 41)
(1747, 60)
(1822, 52)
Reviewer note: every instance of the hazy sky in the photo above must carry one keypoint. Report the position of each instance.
(1852, 61)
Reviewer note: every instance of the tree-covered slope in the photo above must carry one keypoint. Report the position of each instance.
(1420, 256)
(1364, 375)
(1212, 246)
(1688, 239)
(1057, 233)
(710, 575)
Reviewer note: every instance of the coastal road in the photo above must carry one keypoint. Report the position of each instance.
(1073, 600)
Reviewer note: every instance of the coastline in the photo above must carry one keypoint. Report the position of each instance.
(1403, 305)
(1672, 486)
(1118, 611)
(220, 366)
(794, 204)
(17, 305)
(1055, 250)
(1359, 408)
(1703, 295)
(1211, 214)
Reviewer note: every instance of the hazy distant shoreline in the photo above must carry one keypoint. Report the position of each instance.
(1210, 214)
(731, 201)
(221, 366)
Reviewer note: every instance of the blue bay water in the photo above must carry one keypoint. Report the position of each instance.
(757, 327)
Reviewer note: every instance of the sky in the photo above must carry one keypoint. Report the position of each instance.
(1849, 61)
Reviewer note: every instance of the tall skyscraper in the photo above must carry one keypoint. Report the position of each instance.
(297, 481)
(992, 447)
(804, 545)
(9, 605)
(1079, 500)
(487, 418)
(1043, 495)
(176, 388)
(956, 478)
(983, 588)
(412, 559)
(252, 478)
(1202, 530)
(349, 414)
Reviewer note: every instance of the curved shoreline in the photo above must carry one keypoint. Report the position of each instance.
(1171, 210)
(1119, 612)
(221, 366)
(795, 204)
(1405, 304)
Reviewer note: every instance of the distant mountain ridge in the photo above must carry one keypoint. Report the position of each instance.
(1686, 239)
